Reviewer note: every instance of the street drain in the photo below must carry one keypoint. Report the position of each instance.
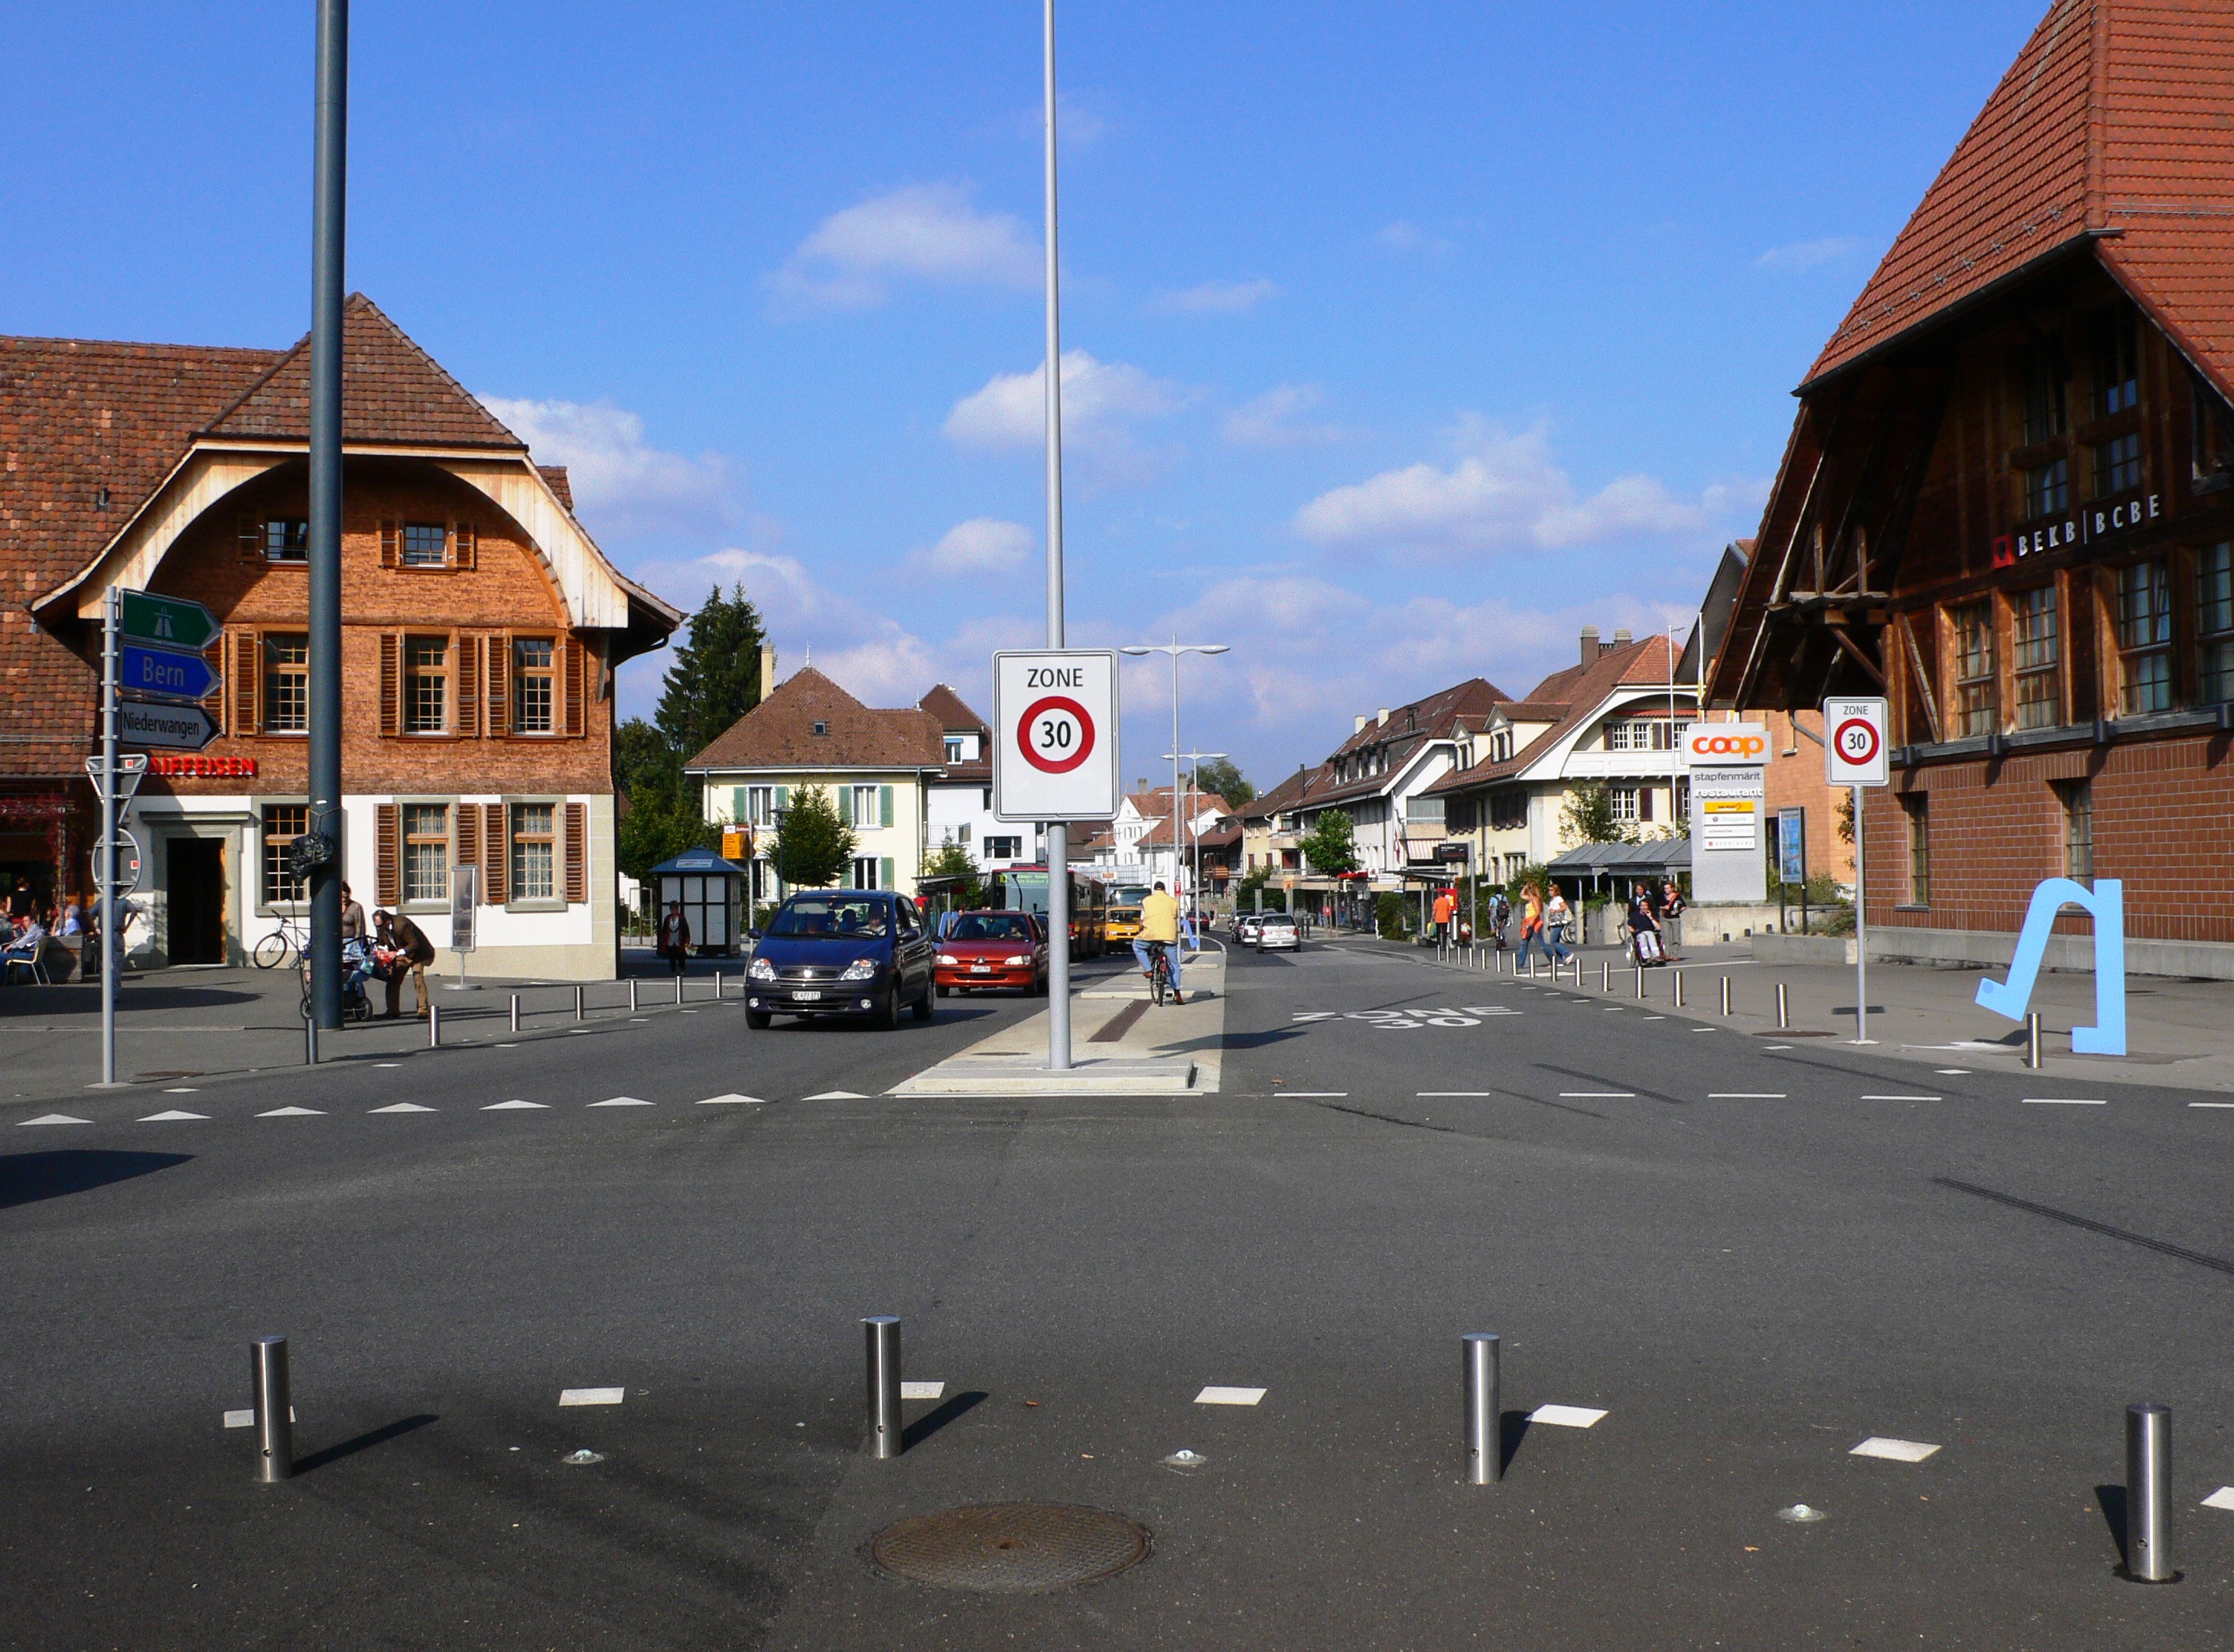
(1011, 1548)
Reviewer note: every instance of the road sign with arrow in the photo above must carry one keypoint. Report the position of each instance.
(168, 622)
(165, 673)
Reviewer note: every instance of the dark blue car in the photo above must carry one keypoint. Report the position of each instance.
(840, 952)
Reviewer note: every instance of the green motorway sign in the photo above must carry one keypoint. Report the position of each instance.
(170, 621)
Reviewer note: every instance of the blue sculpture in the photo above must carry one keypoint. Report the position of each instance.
(2105, 904)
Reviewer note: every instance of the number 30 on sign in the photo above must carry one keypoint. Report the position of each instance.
(1055, 732)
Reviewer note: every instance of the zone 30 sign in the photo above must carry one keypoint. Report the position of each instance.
(1055, 735)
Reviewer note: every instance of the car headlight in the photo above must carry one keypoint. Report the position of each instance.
(761, 969)
(860, 969)
(949, 960)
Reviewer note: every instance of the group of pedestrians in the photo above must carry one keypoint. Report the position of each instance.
(1544, 923)
(1649, 912)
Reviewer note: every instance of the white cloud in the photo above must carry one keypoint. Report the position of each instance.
(1216, 299)
(1276, 420)
(983, 545)
(927, 233)
(1805, 255)
(1102, 402)
(1075, 122)
(1503, 492)
(1404, 235)
(621, 484)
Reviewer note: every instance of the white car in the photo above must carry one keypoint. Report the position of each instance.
(1245, 927)
(1279, 931)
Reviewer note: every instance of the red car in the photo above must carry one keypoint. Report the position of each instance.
(993, 950)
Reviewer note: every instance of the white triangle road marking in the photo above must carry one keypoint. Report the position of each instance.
(622, 1101)
(719, 1100)
(1894, 1451)
(401, 1106)
(516, 1105)
(839, 1095)
(166, 1118)
(293, 1113)
(51, 1118)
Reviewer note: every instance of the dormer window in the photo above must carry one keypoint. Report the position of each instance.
(953, 749)
(821, 728)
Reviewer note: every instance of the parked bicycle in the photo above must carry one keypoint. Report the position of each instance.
(290, 940)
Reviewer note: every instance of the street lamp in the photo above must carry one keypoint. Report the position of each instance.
(1194, 790)
(1175, 648)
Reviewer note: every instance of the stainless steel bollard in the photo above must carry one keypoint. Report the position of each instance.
(1783, 1006)
(1605, 977)
(717, 986)
(1725, 995)
(515, 1012)
(1679, 988)
(310, 1041)
(434, 1025)
(678, 989)
(2148, 1494)
(884, 1395)
(2032, 1039)
(1640, 982)
(1485, 1441)
(275, 1415)
(579, 1011)
(631, 995)
(1532, 966)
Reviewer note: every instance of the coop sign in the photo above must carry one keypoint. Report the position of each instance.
(2080, 528)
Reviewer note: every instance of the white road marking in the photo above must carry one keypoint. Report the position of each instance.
(166, 1118)
(517, 1105)
(387, 1063)
(733, 1097)
(1597, 1096)
(1745, 1096)
(1893, 1451)
(1318, 1015)
(1317, 1096)
(1215, 1395)
(621, 1101)
(2211, 1104)
(247, 1418)
(2221, 1499)
(1489, 1009)
(1902, 1097)
(401, 1107)
(839, 1095)
(507, 1047)
(293, 1113)
(1776, 1046)
(592, 1396)
(923, 1390)
(51, 1118)
(184, 1089)
(1656, 1018)
(1706, 1029)
(1431, 1095)
(1952, 1072)
(2063, 1102)
(1567, 1416)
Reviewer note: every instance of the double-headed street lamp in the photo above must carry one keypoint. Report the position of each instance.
(1175, 648)
(1194, 790)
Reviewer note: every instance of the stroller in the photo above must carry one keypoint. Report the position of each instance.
(358, 966)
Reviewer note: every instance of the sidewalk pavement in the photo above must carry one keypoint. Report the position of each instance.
(2177, 1032)
(174, 1025)
(1121, 1044)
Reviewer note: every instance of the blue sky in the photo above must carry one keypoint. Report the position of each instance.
(1401, 340)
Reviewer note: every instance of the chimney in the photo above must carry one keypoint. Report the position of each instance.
(1361, 720)
(1621, 637)
(1590, 645)
(1383, 716)
(767, 670)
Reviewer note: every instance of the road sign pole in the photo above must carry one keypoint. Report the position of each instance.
(1058, 832)
(111, 932)
(1861, 932)
(328, 239)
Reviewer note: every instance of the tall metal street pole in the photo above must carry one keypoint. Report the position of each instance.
(1175, 648)
(1058, 832)
(1194, 798)
(329, 220)
(112, 821)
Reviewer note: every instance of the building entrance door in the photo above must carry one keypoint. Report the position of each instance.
(194, 900)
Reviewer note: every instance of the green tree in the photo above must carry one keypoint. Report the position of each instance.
(1588, 817)
(1331, 846)
(660, 816)
(813, 845)
(716, 678)
(1220, 774)
(952, 860)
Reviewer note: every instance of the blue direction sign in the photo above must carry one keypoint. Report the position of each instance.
(165, 673)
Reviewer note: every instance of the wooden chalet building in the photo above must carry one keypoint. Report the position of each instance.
(2007, 505)
(481, 627)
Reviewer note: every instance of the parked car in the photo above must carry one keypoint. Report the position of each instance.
(1120, 925)
(1245, 927)
(1279, 931)
(840, 952)
(987, 950)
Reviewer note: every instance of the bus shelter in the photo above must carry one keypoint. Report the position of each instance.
(712, 893)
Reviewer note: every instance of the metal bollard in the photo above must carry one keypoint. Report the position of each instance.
(1725, 995)
(1679, 989)
(1640, 982)
(274, 1414)
(1484, 1436)
(579, 1011)
(515, 1012)
(1605, 977)
(1532, 966)
(434, 1025)
(2148, 1494)
(883, 1393)
(1783, 1006)
(678, 989)
(2032, 1039)
(717, 986)
(310, 1041)
(631, 995)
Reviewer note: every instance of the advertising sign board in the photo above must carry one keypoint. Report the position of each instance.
(1728, 768)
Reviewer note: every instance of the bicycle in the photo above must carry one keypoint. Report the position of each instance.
(274, 949)
(1160, 974)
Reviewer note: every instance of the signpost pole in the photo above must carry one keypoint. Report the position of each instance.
(1058, 832)
(1861, 933)
(111, 932)
(329, 222)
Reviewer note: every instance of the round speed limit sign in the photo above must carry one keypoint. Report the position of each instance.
(1857, 741)
(1056, 735)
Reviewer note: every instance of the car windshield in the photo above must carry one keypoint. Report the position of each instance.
(993, 926)
(1124, 914)
(835, 917)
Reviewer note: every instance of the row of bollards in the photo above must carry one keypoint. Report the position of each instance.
(434, 1017)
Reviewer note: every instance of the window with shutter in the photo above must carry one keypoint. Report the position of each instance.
(390, 688)
(213, 702)
(885, 805)
(497, 647)
(577, 851)
(470, 834)
(469, 687)
(575, 663)
(247, 653)
(386, 881)
(387, 552)
(845, 806)
(885, 872)
(492, 859)
(468, 544)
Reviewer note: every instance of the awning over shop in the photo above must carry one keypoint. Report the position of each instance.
(1656, 857)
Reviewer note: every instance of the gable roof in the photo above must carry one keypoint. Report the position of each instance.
(392, 391)
(779, 733)
(951, 709)
(1302, 784)
(2115, 126)
(1577, 693)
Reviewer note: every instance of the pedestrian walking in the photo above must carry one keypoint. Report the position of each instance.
(1557, 916)
(1500, 914)
(1532, 925)
(410, 951)
(1446, 908)
(675, 937)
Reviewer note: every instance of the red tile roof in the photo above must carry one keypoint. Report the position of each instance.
(779, 733)
(2115, 123)
(951, 709)
(1575, 693)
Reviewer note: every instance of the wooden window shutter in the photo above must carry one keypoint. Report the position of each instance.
(251, 540)
(465, 546)
(469, 835)
(247, 655)
(884, 806)
(499, 664)
(493, 856)
(845, 805)
(389, 535)
(387, 882)
(468, 679)
(577, 851)
(575, 664)
(783, 797)
(885, 879)
(391, 687)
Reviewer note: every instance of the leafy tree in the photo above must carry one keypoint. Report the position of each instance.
(1220, 774)
(1588, 817)
(952, 860)
(716, 678)
(813, 845)
(1331, 846)
(1245, 893)
(662, 817)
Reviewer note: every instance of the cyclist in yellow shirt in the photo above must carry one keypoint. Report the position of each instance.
(1160, 925)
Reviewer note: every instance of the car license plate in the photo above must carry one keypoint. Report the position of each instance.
(806, 997)
(981, 969)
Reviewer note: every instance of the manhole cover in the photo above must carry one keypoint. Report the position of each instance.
(1011, 1548)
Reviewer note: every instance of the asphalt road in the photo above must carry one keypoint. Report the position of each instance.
(1745, 1256)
